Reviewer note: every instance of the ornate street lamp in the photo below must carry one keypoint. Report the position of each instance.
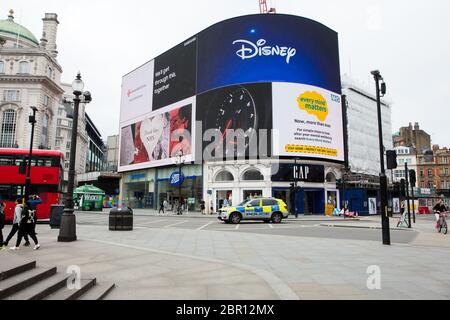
(67, 232)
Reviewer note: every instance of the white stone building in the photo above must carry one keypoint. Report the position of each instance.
(404, 155)
(363, 138)
(63, 131)
(30, 76)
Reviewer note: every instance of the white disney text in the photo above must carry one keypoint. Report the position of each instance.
(250, 50)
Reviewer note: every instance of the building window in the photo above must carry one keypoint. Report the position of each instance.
(59, 122)
(331, 178)
(46, 100)
(445, 160)
(44, 132)
(446, 171)
(430, 172)
(67, 155)
(66, 165)
(252, 175)
(8, 135)
(2, 67)
(224, 176)
(68, 145)
(57, 143)
(422, 174)
(50, 72)
(69, 123)
(60, 111)
(24, 67)
(12, 95)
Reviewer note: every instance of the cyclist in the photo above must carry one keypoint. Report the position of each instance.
(438, 209)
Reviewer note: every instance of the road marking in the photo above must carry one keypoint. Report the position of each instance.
(145, 223)
(270, 226)
(175, 224)
(202, 227)
(237, 227)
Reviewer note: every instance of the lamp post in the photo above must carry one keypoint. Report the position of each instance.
(180, 180)
(32, 120)
(67, 232)
(381, 90)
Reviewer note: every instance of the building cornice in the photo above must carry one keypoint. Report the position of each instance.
(32, 79)
(31, 52)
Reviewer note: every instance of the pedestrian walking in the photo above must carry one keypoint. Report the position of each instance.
(26, 227)
(2, 224)
(202, 206)
(16, 220)
(161, 206)
(34, 201)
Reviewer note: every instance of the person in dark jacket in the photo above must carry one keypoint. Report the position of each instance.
(16, 220)
(26, 227)
(34, 201)
(2, 223)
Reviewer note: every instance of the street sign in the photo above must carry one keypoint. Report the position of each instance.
(176, 179)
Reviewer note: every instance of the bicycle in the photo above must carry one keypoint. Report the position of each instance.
(441, 225)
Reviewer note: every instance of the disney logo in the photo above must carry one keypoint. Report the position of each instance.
(250, 50)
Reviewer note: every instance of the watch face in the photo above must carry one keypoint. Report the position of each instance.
(234, 109)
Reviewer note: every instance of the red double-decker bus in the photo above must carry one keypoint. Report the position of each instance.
(46, 178)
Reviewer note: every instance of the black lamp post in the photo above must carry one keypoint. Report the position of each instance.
(180, 164)
(67, 232)
(381, 90)
(32, 120)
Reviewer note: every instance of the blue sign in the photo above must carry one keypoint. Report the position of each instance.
(176, 179)
(268, 48)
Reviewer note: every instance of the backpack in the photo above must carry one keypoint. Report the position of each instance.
(28, 216)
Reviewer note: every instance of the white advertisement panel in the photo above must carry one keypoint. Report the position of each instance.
(157, 138)
(137, 93)
(309, 120)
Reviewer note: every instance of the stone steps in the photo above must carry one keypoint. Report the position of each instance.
(22, 279)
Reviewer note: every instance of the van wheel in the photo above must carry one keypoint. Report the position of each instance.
(277, 217)
(235, 218)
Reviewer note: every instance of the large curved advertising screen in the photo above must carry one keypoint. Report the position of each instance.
(252, 75)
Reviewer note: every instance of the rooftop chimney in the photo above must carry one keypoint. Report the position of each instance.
(50, 30)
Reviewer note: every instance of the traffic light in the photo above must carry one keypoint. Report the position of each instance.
(403, 187)
(391, 156)
(397, 187)
(412, 178)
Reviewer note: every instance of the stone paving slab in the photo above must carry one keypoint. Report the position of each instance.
(152, 263)
(142, 274)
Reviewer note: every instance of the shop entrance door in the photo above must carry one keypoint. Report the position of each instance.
(314, 202)
(223, 199)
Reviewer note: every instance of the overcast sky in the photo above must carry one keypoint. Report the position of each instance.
(408, 41)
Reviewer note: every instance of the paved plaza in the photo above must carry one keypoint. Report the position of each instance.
(167, 257)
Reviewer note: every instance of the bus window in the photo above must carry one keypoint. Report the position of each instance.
(5, 192)
(17, 192)
(4, 161)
